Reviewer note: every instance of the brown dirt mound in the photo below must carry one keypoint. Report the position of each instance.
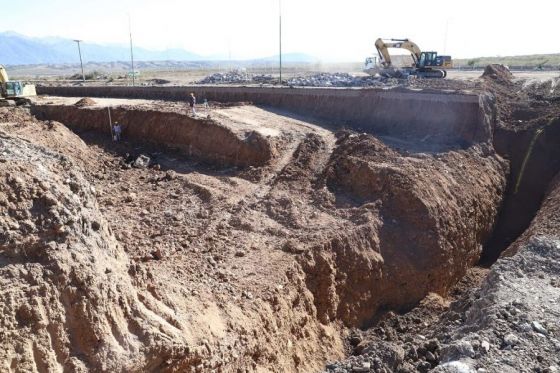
(85, 102)
(499, 73)
(366, 267)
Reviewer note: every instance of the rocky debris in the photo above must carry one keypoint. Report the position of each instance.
(539, 328)
(136, 161)
(339, 80)
(85, 102)
(238, 77)
(229, 77)
(264, 79)
(142, 161)
(317, 80)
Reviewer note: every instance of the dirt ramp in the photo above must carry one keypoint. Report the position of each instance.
(203, 138)
(421, 225)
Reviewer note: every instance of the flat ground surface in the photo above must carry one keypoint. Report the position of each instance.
(237, 118)
(183, 77)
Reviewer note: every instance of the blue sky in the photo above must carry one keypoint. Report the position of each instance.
(331, 30)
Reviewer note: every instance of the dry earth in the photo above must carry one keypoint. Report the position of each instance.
(194, 264)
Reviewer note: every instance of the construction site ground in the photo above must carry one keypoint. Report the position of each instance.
(336, 250)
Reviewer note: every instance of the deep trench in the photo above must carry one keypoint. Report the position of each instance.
(534, 157)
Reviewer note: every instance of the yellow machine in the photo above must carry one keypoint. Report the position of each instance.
(15, 91)
(425, 64)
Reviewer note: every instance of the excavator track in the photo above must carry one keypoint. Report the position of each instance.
(431, 74)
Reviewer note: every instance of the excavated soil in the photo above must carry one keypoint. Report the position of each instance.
(328, 245)
(498, 73)
(503, 319)
(85, 102)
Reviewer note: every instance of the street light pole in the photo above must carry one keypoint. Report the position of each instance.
(131, 53)
(81, 63)
(280, 36)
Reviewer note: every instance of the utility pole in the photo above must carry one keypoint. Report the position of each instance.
(280, 36)
(131, 52)
(81, 63)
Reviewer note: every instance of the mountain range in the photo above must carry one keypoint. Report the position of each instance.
(17, 49)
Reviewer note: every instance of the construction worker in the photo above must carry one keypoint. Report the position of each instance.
(192, 103)
(117, 131)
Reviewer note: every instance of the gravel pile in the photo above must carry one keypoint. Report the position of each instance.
(335, 80)
(237, 76)
(264, 79)
(234, 76)
(317, 80)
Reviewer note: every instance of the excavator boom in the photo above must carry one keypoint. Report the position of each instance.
(3, 75)
(383, 50)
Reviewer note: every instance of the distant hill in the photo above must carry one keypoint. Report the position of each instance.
(527, 61)
(17, 49)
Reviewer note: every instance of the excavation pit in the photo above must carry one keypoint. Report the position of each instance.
(363, 202)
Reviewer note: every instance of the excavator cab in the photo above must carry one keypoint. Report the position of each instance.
(431, 59)
(13, 89)
(428, 59)
(17, 90)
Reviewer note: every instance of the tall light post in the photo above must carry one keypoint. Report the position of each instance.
(280, 36)
(81, 63)
(131, 52)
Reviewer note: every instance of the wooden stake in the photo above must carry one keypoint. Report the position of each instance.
(110, 124)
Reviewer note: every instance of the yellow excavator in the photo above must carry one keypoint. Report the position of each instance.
(14, 92)
(424, 65)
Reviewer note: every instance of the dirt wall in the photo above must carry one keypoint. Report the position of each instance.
(422, 224)
(203, 138)
(535, 160)
(440, 116)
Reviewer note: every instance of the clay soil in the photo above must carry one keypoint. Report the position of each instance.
(340, 244)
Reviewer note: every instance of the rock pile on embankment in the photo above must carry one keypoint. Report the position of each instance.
(338, 80)
(237, 77)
